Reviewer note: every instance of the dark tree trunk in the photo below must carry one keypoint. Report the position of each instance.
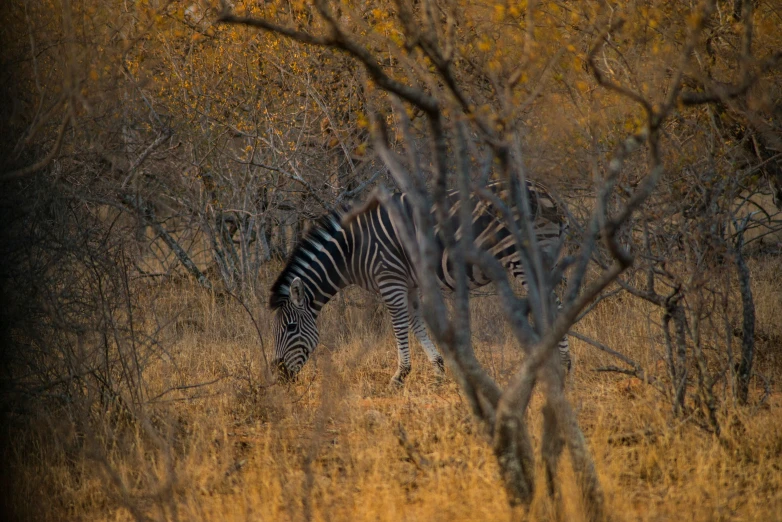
(748, 326)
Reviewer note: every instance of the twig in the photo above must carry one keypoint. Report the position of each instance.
(766, 391)
(309, 385)
(597, 301)
(412, 452)
(144, 155)
(186, 387)
(637, 369)
(255, 324)
(354, 192)
(340, 40)
(35, 167)
(632, 437)
(615, 369)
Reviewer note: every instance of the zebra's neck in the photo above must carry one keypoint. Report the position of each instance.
(333, 256)
(321, 261)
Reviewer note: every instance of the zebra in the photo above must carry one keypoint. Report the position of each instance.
(366, 250)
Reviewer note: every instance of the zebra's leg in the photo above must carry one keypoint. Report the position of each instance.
(419, 329)
(564, 344)
(394, 296)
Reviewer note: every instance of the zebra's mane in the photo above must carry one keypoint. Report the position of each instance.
(321, 231)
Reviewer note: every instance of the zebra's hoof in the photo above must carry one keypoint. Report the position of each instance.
(399, 377)
(396, 382)
(439, 366)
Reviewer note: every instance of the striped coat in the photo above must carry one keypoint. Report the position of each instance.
(367, 251)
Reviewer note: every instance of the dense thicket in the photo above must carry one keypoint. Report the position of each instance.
(147, 141)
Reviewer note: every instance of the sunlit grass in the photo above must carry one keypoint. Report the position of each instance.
(339, 444)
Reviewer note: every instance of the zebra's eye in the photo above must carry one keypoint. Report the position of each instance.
(291, 327)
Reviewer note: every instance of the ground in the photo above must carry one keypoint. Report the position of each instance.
(340, 444)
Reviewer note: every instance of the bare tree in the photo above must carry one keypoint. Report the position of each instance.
(461, 142)
(696, 234)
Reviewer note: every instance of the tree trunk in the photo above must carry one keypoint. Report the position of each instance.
(748, 326)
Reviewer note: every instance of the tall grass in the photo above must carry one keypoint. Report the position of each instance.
(339, 444)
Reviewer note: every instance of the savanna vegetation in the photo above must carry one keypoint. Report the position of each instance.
(161, 159)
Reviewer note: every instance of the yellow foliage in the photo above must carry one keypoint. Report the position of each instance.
(499, 13)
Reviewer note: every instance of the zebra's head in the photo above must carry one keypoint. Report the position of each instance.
(295, 333)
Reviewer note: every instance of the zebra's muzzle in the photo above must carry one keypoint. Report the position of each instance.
(283, 373)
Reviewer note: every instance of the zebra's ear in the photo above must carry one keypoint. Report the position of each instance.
(297, 292)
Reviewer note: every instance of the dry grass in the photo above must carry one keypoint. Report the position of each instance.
(328, 447)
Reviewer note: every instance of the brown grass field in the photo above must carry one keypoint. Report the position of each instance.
(341, 445)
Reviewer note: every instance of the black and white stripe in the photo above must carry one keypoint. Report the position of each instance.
(367, 251)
